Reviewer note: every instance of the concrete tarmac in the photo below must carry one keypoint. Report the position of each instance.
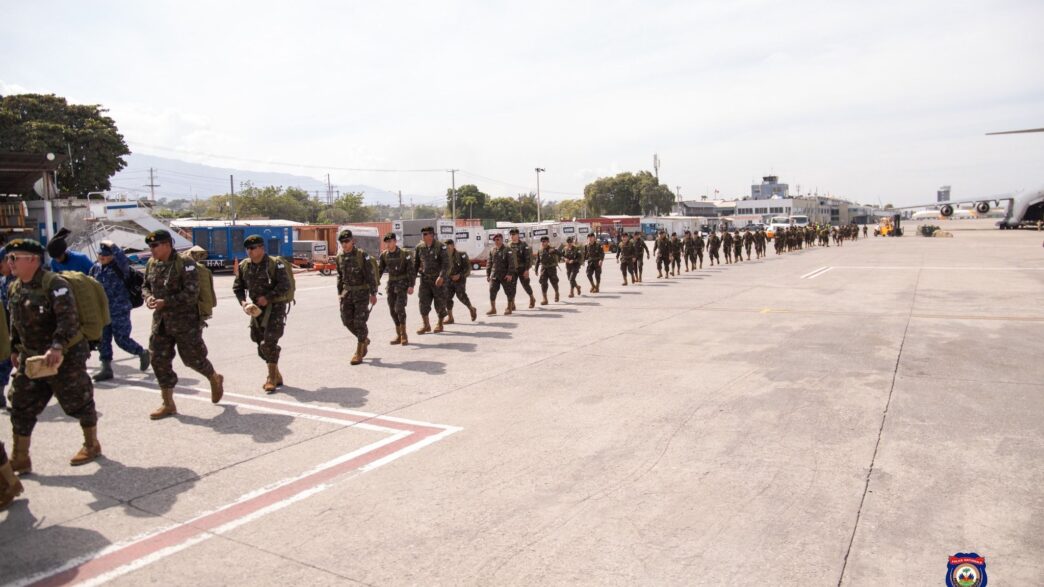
(836, 416)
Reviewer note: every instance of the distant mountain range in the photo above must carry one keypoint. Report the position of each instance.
(177, 179)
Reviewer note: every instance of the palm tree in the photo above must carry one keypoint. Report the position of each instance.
(469, 200)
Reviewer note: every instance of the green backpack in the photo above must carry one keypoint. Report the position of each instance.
(207, 299)
(288, 268)
(92, 305)
(374, 264)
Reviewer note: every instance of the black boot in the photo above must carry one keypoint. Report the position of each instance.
(106, 372)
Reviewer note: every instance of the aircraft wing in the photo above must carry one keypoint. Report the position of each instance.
(1015, 132)
(993, 201)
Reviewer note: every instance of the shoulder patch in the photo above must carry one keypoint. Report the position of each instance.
(190, 267)
(61, 291)
(280, 266)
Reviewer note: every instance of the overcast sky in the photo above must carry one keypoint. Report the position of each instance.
(868, 100)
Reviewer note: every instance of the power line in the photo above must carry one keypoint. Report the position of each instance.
(286, 164)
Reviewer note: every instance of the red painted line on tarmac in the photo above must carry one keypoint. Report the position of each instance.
(135, 552)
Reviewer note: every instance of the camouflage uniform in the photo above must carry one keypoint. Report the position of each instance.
(641, 251)
(697, 248)
(460, 267)
(431, 263)
(595, 254)
(689, 251)
(41, 319)
(676, 253)
(662, 246)
(573, 258)
(713, 246)
(547, 267)
(178, 323)
(266, 279)
(112, 277)
(737, 249)
(626, 257)
(748, 241)
(355, 284)
(524, 254)
(726, 243)
(501, 265)
(401, 278)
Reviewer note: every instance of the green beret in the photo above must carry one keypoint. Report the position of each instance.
(253, 241)
(25, 245)
(390, 236)
(158, 236)
(344, 235)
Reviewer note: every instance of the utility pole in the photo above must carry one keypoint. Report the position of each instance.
(656, 166)
(539, 205)
(677, 193)
(329, 190)
(400, 204)
(232, 199)
(413, 210)
(453, 195)
(152, 185)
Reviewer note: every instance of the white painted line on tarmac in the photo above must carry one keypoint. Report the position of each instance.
(821, 273)
(406, 437)
(811, 273)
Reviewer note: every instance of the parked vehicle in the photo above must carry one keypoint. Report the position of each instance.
(224, 244)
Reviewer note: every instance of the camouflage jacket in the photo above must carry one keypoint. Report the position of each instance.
(501, 262)
(459, 264)
(41, 319)
(355, 273)
(549, 258)
(594, 253)
(176, 282)
(523, 253)
(431, 262)
(399, 267)
(266, 279)
(572, 256)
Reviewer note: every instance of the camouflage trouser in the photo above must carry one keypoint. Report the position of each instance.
(747, 247)
(429, 292)
(639, 264)
(71, 386)
(120, 329)
(188, 340)
(355, 310)
(697, 255)
(524, 280)
(676, 260)
(509, 287)
(572, 270)
(737, 251)
(663, 263)
(546, 275)
(266, 330)
(626, 266)
(713, 254)
(594, 273)
(397, 293)
(458, 289)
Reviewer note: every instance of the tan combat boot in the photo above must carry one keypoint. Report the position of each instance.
(556, 294)
(438, 325)
(571, 289)
(358, 356)
(365, 347)
(20, 461)
(217, 387)
(398, 335)
(10, 485)
(492, 309)
(510, 308)
(659, 274)
(168, 408)
(90, 450)
(426, 328)
(532, 301)
(543, 302)
(402, 335)
(274, 378)
(449, 317)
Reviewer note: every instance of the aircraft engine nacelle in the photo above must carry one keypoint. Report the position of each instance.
(982, 207)
(946, 211)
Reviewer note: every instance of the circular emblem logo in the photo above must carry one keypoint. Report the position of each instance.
(966, 575)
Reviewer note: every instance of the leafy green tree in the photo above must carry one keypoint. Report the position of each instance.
(569, 209)
(628, 193)
(469, 198)
(38, 123)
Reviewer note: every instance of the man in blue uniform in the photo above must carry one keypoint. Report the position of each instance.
(111, 271)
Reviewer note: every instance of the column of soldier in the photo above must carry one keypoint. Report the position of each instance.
(49, 350)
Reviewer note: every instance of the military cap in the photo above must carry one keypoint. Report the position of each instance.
(158, 236)
(428, 230)
(449, 242)
(344, 235)
(253, 241)
(513, 231)
(106, 249)
(25, 245)
(544, 239)
(390, 236)
(569, 239)
(590, 235)
(498, 235)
